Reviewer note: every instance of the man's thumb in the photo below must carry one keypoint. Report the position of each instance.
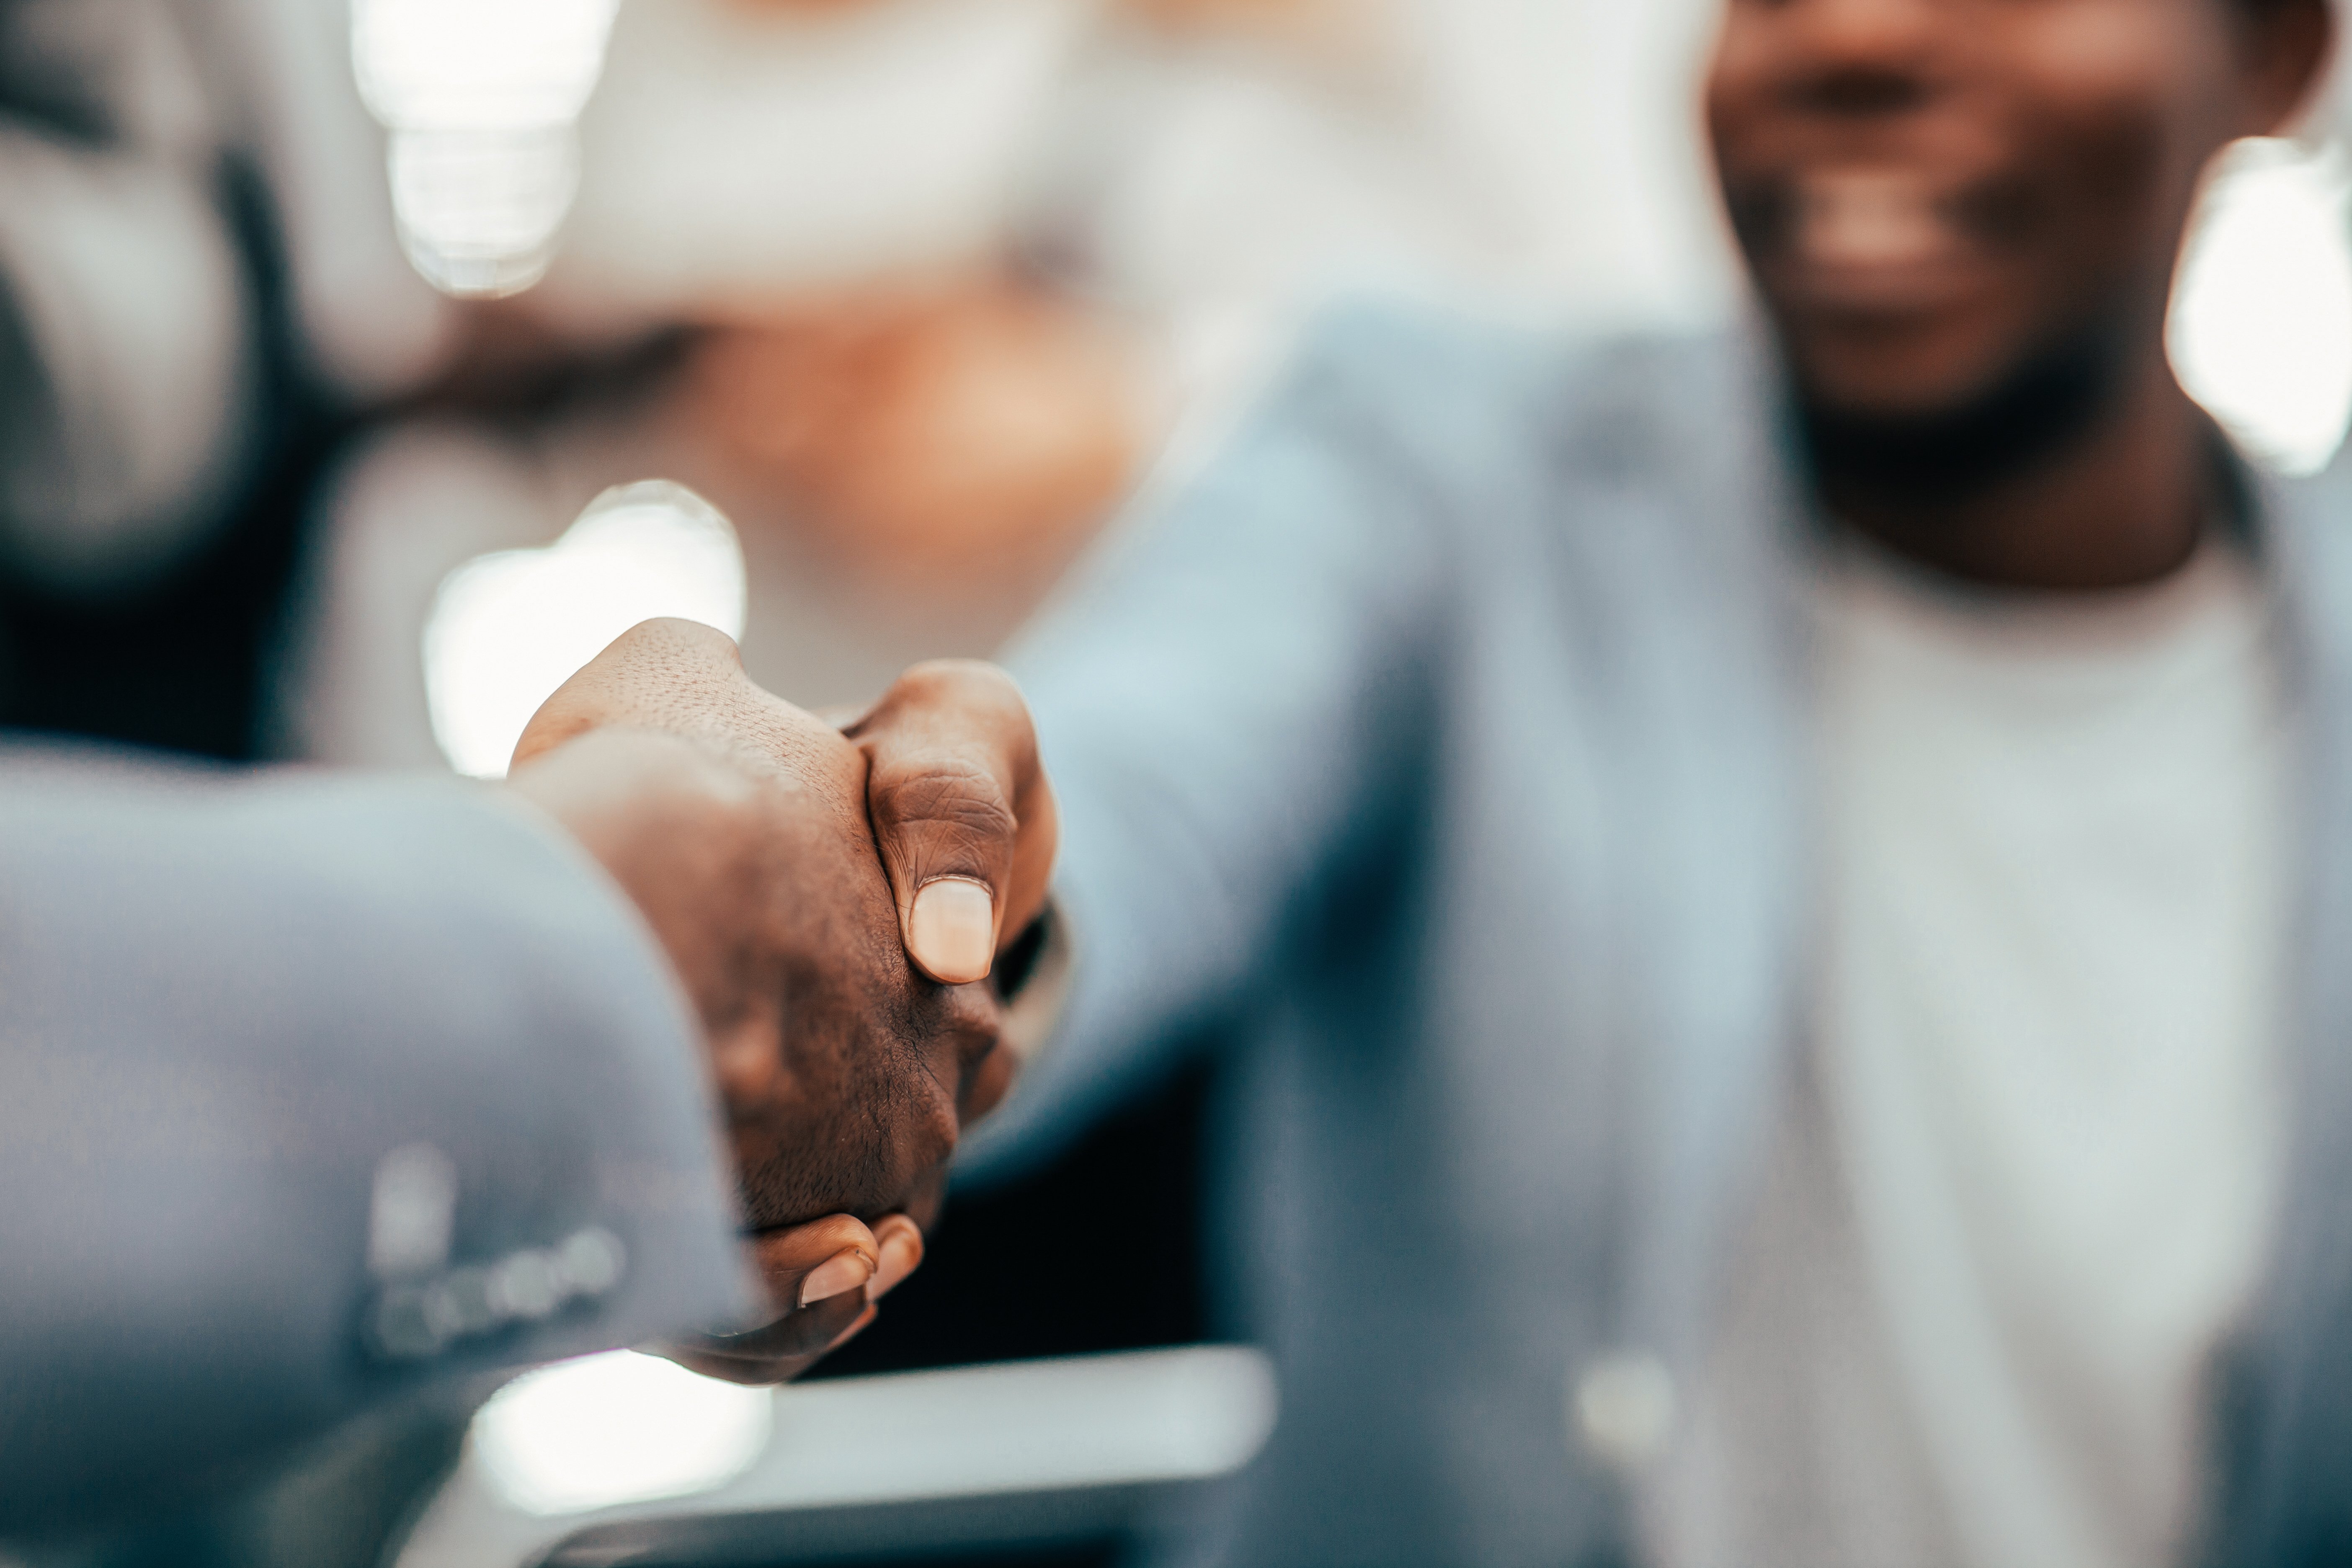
(949, 753)
(951, 929)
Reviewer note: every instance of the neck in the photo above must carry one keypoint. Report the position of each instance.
(2118, 497)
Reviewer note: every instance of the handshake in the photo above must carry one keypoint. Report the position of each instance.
(834, 902)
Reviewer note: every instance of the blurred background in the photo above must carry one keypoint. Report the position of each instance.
(374, 362)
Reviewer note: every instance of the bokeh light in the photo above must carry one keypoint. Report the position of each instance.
(615, 1428)
(507, 630)
(2262, 319)
(481, 98)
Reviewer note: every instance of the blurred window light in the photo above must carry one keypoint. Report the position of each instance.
(609, 1429)
(556, 1447)
(482, 98)
(617, 1428)
(1187, 1414)
(2261, 331)
(507, 630)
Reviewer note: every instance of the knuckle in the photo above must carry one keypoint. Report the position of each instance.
(973, 1046)
(670, 633)
(953, 725)
(973, 1026)
(961, 801)
(972, 1035)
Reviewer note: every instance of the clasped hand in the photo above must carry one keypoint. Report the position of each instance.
(833, 901)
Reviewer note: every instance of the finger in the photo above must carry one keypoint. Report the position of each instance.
(901, 1241)
(960, 811)
(965, 1053)
(988, 1079)
(817, 1261)
(820, 1276)
(809, 1332)
(837, 1275)
(779, 1353)
(747, 1374)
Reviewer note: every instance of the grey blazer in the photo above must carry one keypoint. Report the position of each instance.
(1449, 734)
(316, 1095)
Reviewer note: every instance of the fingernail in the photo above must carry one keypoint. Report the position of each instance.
(902, 1254)
(953, 931)
(843, 1271)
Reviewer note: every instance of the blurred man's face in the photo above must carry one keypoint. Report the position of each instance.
(1936, 195)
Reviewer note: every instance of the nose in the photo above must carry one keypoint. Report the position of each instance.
(1865, 58)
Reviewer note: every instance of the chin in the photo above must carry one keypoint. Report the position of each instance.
(1899, 371)
(1948, 409)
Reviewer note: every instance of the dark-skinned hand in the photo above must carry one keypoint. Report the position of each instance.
(738, 825)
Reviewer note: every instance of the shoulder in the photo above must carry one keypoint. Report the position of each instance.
(1453, 393)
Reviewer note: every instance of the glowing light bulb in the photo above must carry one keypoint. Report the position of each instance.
(2262, 319)
(507, 630)
(482, 98)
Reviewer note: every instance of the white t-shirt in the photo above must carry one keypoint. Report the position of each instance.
(2028, 1172)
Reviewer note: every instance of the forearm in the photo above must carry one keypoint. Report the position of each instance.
(1228, 712)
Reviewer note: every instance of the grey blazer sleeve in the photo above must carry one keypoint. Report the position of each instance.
(1230, 701)
(314, 1094)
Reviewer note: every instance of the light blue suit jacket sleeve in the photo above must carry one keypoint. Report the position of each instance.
(224, 1004)
(1230, 700)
